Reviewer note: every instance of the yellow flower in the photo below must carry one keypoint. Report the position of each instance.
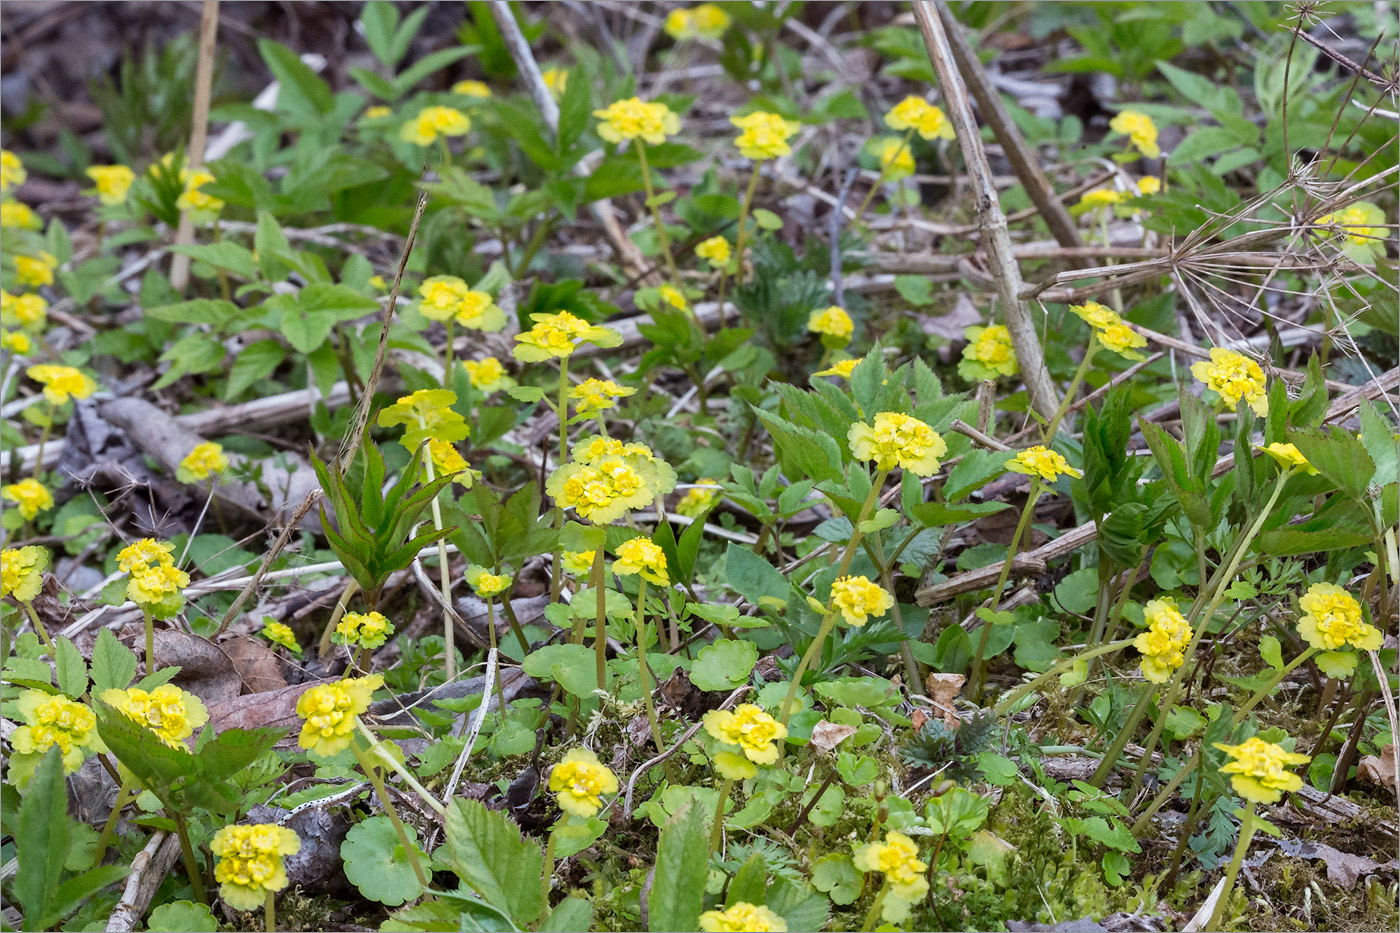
(1097, 316)
(35, 271)
(30, 495)
(330, 711)
(1258, 769)
(988, 354)
(477, 89)
(642, 556)
(898, 858)
(158, 589)
(202, 207)
(19, 215)
(844, 368)
(765, 135)
(377, 283)
(1163, 645)
(605, 489)
(448, 461)
(919, 115)
(16, 342)
(205, 459)
(557, 80)
(11, 170)
(559, 335)
(169, 712)
(112, 182)
(281, 634)
(27, 311)
(433, 122)
(749, 727)
(144, 553)
(486, 583)
(426, 414)
(49, 721)
(595, 395)
(579, 781)
(634, 118)
(579, 563)
(250, 862)
(1139, 129)
(709, 20)
(858, 599)
(22, 571)
(378, 112)
(673, 297)
(897, 440)
(699, 499)
(679, 25)
(1149, 184)
(1289, 457)
(1097, 198)
(833, 324)
(1333, 620)
(62, 382)
(1362, 231)
(446, 296)
(1123, 340)
(1042, 462)
(487, 375)
(895, 158)
(715, 251)
(741, 916)
(365, 629)
(1235, 377)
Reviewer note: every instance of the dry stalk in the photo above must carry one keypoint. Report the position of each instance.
(199, 132)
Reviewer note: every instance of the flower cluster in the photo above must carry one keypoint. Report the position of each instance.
(363, 630)
(579, 563)
(426, 414)
(698, 499)
(1139, 129)
(756, 733)
(606, 479)
(250, 862)
(30, 496)
(35, 271)
(594, 395)
(1258, 769)
(1042, 462)
(18, 215)
(858, 599)
(634, 118)
(917, 114)
(988, 354)
(62, 382)
(485, 583)
(27, 311)
(556, 80)
(204, 460)
(446, 297)
(469, 88)
(1333, 620)
(330, 711)
(51, 721)
(155, 584)
(1163, 645)
(706, 21)
(1111, 330)
(764, 135)
(1289, 457)
(642, 556)
(841, 368)
(169, 712)
(1362, 231)
(448, 461)
(674, 297)
(742, 916)
(579, 782)
(487, 375)
(558, 335)
(12, 171)
(895, 157)
(897, 440)
(1235, 378)
(22, 571)
(202, 207)
(898, 859)
(833, 325)
(111, 183)
(433, 123)
(716, 251)
(279, 633)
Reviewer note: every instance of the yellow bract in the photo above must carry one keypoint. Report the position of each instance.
(634, 118)
(155, 584)
(62, 382)
(742, 916)
(378, 112)
(559, 335)
(764, 135)
(988, 354)
(1234, 377)
(898, 859)
(30, 496)
(487, 375)
(27, 311)
(642, 556)
(756, 733)
(329, 713)
(595, 395)
(22, 571)
(699, 499)
(1258, 769)
(733, 767)
(716, 251)
(557, 80)
(1149, 184)
(919, 115)
(1333, 619)
(477, 89)
(486, 583)
(205, 459)
(169, 712)
(12, 171)
(1099, 197)
(1042, 462)
(448, 297)
(281, 634)
(250, 862)
(858, 599)
(844, 368)
(49, 721)
(16, 342)
(35, 271)
(1163, 645)
(202, 207)
(111, 182)
(432, 123)
(139, 555)
(14, 214)
(897, 440)
(363, 629)
(833, 324)
(426, 414)
(706, 21)
(1110, 329)
(895, 158)
(448, 461)
(1289, 457)
(579, 563)
(1139, 129)
(579, 781)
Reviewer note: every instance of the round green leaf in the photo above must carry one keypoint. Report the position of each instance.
(724, 665)
(377, 864)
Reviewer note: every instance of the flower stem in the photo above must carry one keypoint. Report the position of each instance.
(150, 641)
(556, 564)
(739, 237)
(979, 660)
(876, 908)
(341, 604)
(270, 912)
(600, 631)
(884, 172)
(43, 439)
(110, 827)
(374, 778)
(1015, 696)
(182, 830)
(661, 234)
(449, 632)
(643, 674)
(717, 831)
(447, 354)
(43, 633)
(1124, 735)
(1068, 398)
(392, 762)
(491, 634)
(1246, 836)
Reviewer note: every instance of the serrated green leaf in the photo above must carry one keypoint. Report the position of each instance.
(488, 853)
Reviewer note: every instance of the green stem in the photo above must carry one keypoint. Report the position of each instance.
(600, 624)
(739, 237)
(876, 909)
(182, 830)
(341, 604)
(515, 628)
(642, 672)
(1246, 836)
(447, 353)
(391, 762)
(979, 660)
(556, 565)
(717, 831)
(43, 633)
(1110, 757)
(1068, 398)
(270, 912)
(374, 778)
(110, 827)
(661, 234)
(491, 634)
(1011, 699)
(549, 862)
(449, 631)
(150, 641)
(884, 172)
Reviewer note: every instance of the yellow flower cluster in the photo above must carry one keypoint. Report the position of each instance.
(1289, 457)
(16, 342)
(18, 215)
(922, 117)
(49, 721)
(897, 440)
(1139, 129)
(895, 157)
(378, 112)
(579, 563)
(22, 571)
(595, 395)
(1163, 645)
(579, 782)
(27, 311)
(487, 375)
(843, 368)
(1258, 769)
(426, 414)
(202, 207)
(12, 170)
(742, 916)
(834, 326)
(756, 733)
(446, 297)
(280, 633)
(112, 183)
(699, 499)
(706, 21)
(432, 123)
(1235, 377)
(674, 297)
(251, 862)
(606, 479)
(988, 354)
(557, 80)
(1149, 184)
(1043, 462)
(35, 271)
(898, 859)
(155, 584)
(448, 461)
(858, 599)
(764, 135)
(330, 711)
(1333, 620)
(169, 712)
(486, 583)
(30, 496)
(1111, 330)
(642, 556)
(204, 460)
(1097, 198)
(477, 89)
(363, 630)
(558, 335)
(716, 251)
(634, 118)
(62, 382)
(1362, 228)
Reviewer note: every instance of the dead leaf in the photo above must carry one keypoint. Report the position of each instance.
(1379, 769)
(256, 665)
(205, 671)
(827, 735)
(918, 718)
(1343, 868)
(942, 690)
(276, 709)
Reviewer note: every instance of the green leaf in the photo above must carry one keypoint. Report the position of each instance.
(836, 876)
(678, 880)
(1034, 644)
(72, 670)
(525, 393)
(577, 834)
(751, 576)
(572, 913)
(42, 841)
(377, 864)
(306, 330)
(724, 664)
(433, 61)
(222, 255)
(152, 761)
(750, 882)
(1271, 652)
(342, 302)
(489, 855)
(767, 220)
(253, 363)
(301, 93)
(1339, 456)
(852, 692)
(570, 666)
(1379, 440)
(199, 311)
(178, 916)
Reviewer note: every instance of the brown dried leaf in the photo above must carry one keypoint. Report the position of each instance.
(827, 735)
(1379, 769)
(255, 663)
(205, 671)
(942, 690)
(276, 709)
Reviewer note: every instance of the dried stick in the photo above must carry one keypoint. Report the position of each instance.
(148, 870)
(1045, 399)
(199, 131)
